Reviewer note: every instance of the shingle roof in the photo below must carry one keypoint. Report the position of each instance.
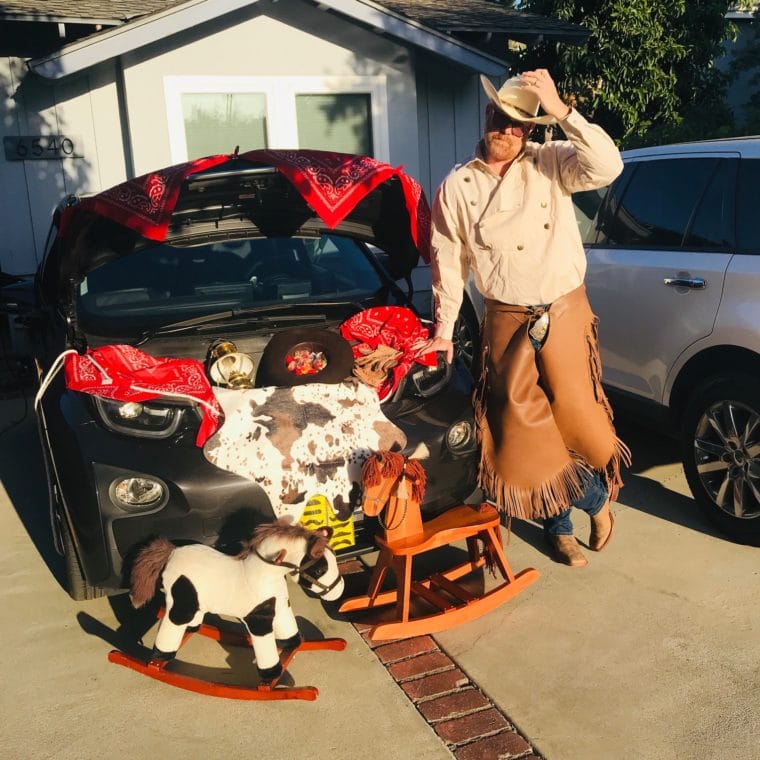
(117, 10)
(481, 16)
(448, 16)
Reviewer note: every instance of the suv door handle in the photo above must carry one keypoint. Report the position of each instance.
(695, 283)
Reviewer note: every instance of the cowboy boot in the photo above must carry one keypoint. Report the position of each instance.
(602, 524)
(567, 551)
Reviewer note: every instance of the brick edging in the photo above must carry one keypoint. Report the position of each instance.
(468, 722)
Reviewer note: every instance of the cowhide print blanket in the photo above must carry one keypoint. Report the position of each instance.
(302, 441)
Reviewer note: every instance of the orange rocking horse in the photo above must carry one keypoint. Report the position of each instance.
(396, 485)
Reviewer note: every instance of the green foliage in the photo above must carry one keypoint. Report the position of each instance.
(646, 73)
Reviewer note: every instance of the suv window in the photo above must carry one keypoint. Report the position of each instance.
(747, 227)
(658, 204)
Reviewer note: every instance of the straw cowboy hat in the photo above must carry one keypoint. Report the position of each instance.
(515, 101)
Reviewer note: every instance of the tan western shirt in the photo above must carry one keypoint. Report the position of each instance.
(517, 234)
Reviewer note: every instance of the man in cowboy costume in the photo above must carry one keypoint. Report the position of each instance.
(506, 216)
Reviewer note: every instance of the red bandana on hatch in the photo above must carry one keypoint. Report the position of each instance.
(144, 204)
(394, 326)
(334, 183)
(125, 373)
(331, 183)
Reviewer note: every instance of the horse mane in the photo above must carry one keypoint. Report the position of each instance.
(382, 464)
(390, 464)
(315, 541)
(148, 565)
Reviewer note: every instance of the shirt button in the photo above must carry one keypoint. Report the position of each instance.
(520, 247)
(543, 205)
(473, 203)
(467, 179)
(546, 226)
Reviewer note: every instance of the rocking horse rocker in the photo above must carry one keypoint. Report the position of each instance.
(251, 587)
(393, 483)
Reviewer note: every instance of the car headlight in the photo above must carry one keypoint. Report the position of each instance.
(144, 420)
(427, 381)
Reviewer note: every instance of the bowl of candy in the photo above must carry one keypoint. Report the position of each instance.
(306, 359)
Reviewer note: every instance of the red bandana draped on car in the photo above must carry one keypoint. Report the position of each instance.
(394, 326)
(334, 183)
(144, 204)
(125, 373)
(331, 183)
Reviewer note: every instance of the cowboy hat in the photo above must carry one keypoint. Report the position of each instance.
(515, 101)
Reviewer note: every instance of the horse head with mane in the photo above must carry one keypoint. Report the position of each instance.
(396, 484)
(198, 579)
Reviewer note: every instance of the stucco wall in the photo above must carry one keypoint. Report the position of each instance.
(249, 44)
(83, 108)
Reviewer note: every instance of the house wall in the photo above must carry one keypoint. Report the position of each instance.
(272, 45)
(450, 108)
(85, 109)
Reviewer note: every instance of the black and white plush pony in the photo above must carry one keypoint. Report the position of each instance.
(197, 579)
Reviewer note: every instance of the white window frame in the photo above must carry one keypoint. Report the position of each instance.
(282, 126)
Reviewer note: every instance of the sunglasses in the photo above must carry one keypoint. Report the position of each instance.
(499, 121)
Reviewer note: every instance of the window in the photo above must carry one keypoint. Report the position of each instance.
(217, 122)
(712, 223)
(208, 115)
(335, 122)
(658, 205)
(747, 227)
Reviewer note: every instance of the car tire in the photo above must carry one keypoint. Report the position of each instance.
(76, 584)
(720, 439)
(467, 337)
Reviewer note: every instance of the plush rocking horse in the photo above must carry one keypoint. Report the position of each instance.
(395, 486)
(197, 579)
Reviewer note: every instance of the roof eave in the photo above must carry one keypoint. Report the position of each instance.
(83, 54)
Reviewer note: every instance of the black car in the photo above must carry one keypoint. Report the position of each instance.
(243, 258)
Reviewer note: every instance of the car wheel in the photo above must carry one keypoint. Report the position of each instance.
(721, 454)
(76, 584)
(467, 336)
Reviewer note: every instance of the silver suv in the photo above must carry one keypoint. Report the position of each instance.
(673, 250)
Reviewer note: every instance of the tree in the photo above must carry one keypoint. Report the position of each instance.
(646, 73)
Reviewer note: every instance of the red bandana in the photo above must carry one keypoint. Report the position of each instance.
(144, 204)
(125, 373)
(394, 326)
(334, 183)
(331, 183)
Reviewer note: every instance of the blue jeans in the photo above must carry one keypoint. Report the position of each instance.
(591, 502)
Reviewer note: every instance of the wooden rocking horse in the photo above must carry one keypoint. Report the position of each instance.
(395, 484)
(251, 587)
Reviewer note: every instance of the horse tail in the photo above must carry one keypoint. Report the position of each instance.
(148, 566)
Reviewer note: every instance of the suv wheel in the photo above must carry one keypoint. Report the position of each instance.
(721, 454)
(76, 584)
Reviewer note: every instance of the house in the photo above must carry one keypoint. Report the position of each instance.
(97, 91)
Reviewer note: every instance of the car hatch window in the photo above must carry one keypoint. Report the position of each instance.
(658, 203)
(747, 227)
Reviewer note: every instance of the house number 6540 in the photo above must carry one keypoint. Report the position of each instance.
(41, 147)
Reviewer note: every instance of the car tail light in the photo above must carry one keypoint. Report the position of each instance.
(427, 381)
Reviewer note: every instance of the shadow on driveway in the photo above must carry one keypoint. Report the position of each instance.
(22, 474)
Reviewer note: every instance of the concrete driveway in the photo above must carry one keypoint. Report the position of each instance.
(651, 652)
